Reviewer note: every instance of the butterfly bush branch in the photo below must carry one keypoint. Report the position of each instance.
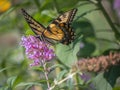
(46, 74)
(38, 51)
(70, 75)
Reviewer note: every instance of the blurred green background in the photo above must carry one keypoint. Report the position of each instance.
(94, 35)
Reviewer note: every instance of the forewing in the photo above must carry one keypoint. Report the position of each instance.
(35, 26)
(66, 17)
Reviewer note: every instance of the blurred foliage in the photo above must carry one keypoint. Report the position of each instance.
(92, 30)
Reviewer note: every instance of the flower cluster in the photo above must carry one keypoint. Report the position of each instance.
(37, 50)
(97, 64)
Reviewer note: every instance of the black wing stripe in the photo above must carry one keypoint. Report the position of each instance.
(31, 20)
(71, 16)
(63, 22)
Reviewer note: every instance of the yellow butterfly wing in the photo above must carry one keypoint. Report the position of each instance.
(60, 29)
(66, 17)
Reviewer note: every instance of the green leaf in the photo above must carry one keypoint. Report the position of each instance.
(11, 81)
(40, 69)
(29, 32)
(112, 74)
(27, 84)
(3, 69)
(4, 88)
(67, 54)
(101, 83)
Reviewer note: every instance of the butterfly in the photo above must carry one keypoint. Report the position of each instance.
(59, 30)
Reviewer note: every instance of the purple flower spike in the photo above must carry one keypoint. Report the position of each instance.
(117, 7)
(37, 50)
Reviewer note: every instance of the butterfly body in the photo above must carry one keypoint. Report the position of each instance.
(59, 30)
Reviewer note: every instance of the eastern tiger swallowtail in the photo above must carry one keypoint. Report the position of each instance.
(59, 30)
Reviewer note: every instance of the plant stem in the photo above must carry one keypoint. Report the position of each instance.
(58, 83)
(117, 34)
(46, 74)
